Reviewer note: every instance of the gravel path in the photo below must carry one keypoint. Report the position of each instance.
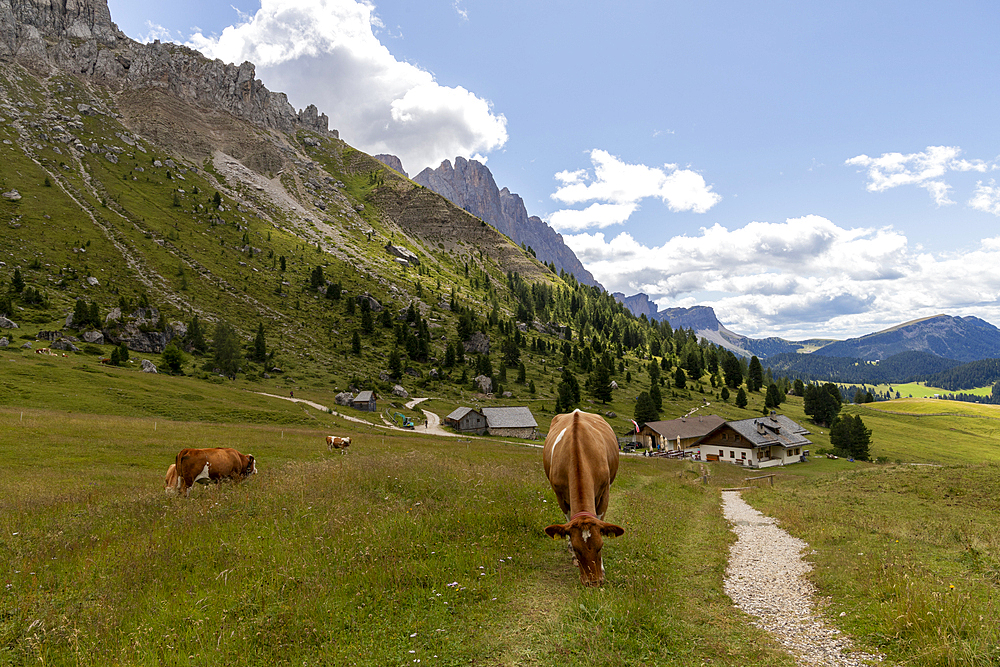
(766, 578)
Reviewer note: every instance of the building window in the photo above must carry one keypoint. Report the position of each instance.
(732, 454)
(743, 454)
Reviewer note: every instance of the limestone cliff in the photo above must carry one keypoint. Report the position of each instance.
(78, 36)
(470, 185)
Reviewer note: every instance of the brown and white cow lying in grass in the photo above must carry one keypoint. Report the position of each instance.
(336, 442)
(581, 461)
(207, 465)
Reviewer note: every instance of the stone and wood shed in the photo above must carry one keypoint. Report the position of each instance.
(512, 422)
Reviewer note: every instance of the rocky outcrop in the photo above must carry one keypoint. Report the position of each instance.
(403, 254)
(79, 36)
(479, 343)
(7, 324)
(638, 304)
(484, 383)
(470, 185)
(392, 162)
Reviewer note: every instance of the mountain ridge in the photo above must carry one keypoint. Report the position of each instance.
(962, 339)
(471, 186)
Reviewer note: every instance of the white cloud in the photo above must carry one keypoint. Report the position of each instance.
(595, 215)
(800, 278)
(327, 53)
(986, 198)
(617, 183)
(155, 32)
(925, 170)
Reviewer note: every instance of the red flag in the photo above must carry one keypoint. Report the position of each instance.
(636, 425)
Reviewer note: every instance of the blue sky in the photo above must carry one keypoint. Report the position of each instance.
(807, 169)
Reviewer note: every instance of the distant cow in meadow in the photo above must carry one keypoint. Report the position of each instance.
(336, 442)
(581, 461)
(170, 482)
(209, 465)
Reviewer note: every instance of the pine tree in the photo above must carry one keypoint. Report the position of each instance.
(732, 370)
(773, 397)
(173, 359)
(259, 352)
(645, 411)
(755, 375)
(680, 378)
(600, 383)
(741, 398)
(225, 349)
(17, 282)
(195, 336)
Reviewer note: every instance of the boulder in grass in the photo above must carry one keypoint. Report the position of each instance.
(148, 366)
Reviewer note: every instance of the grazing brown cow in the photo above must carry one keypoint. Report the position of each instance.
(581, 461)
(211, 465)
(170, 482)
(336, 442)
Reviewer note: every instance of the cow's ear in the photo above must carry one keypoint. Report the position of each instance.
(611, 530)
(557, 530)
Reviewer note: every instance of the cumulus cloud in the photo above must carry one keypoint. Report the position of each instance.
(926, 170)
(327, 53)
(618, 186)
(798, 277)
(986, 198)
(155, 32)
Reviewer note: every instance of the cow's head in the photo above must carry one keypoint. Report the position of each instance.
(251, 467)
(586, 536)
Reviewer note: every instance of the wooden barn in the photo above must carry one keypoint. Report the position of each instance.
(678, 434)
(365, 400)
(467, 420)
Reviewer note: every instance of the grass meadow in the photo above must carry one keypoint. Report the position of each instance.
(907, 556)
(412, 547)
(407, 548)
(922, 390)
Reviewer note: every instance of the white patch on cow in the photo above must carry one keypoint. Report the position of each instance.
(586, 535)
(601, 517)
(556, 444)
(203, 476)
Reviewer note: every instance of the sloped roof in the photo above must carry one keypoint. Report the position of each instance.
(363, 397)
(458, 413)
(686, 427)
(514, 417)
(772, 430)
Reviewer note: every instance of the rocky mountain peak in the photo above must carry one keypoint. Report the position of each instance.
(470, 185)
(392, 162)
(79, 36)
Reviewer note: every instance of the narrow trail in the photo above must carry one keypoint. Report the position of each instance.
(766, 578)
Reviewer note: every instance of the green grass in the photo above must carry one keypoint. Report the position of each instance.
(405, 548)
(909, 556)
(922, 390)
